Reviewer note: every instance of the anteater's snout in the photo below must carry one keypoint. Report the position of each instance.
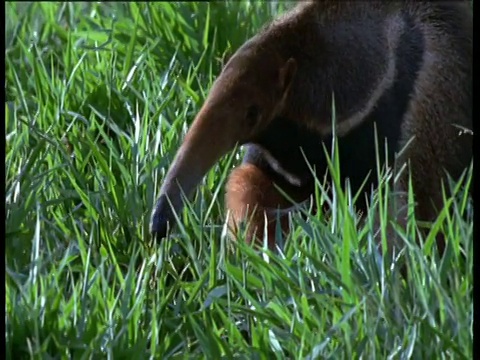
(162, 218)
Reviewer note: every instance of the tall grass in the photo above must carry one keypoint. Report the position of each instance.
(98, 98)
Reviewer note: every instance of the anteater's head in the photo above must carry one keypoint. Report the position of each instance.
(248, 94)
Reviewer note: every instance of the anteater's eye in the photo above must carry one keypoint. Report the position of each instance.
(253, 114)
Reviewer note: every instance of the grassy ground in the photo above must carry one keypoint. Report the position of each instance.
(98, 97)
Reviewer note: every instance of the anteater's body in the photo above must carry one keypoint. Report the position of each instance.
(404, 68)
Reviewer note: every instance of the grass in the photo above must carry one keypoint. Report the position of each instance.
(98, 98)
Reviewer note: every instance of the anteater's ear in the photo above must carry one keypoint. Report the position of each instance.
(287, 74)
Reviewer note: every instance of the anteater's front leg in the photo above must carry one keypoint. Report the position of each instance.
(252, 199)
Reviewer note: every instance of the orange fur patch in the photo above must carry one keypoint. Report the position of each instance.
(249, 193)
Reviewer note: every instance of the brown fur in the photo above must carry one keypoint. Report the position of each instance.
(252, 197)
(406, 65)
